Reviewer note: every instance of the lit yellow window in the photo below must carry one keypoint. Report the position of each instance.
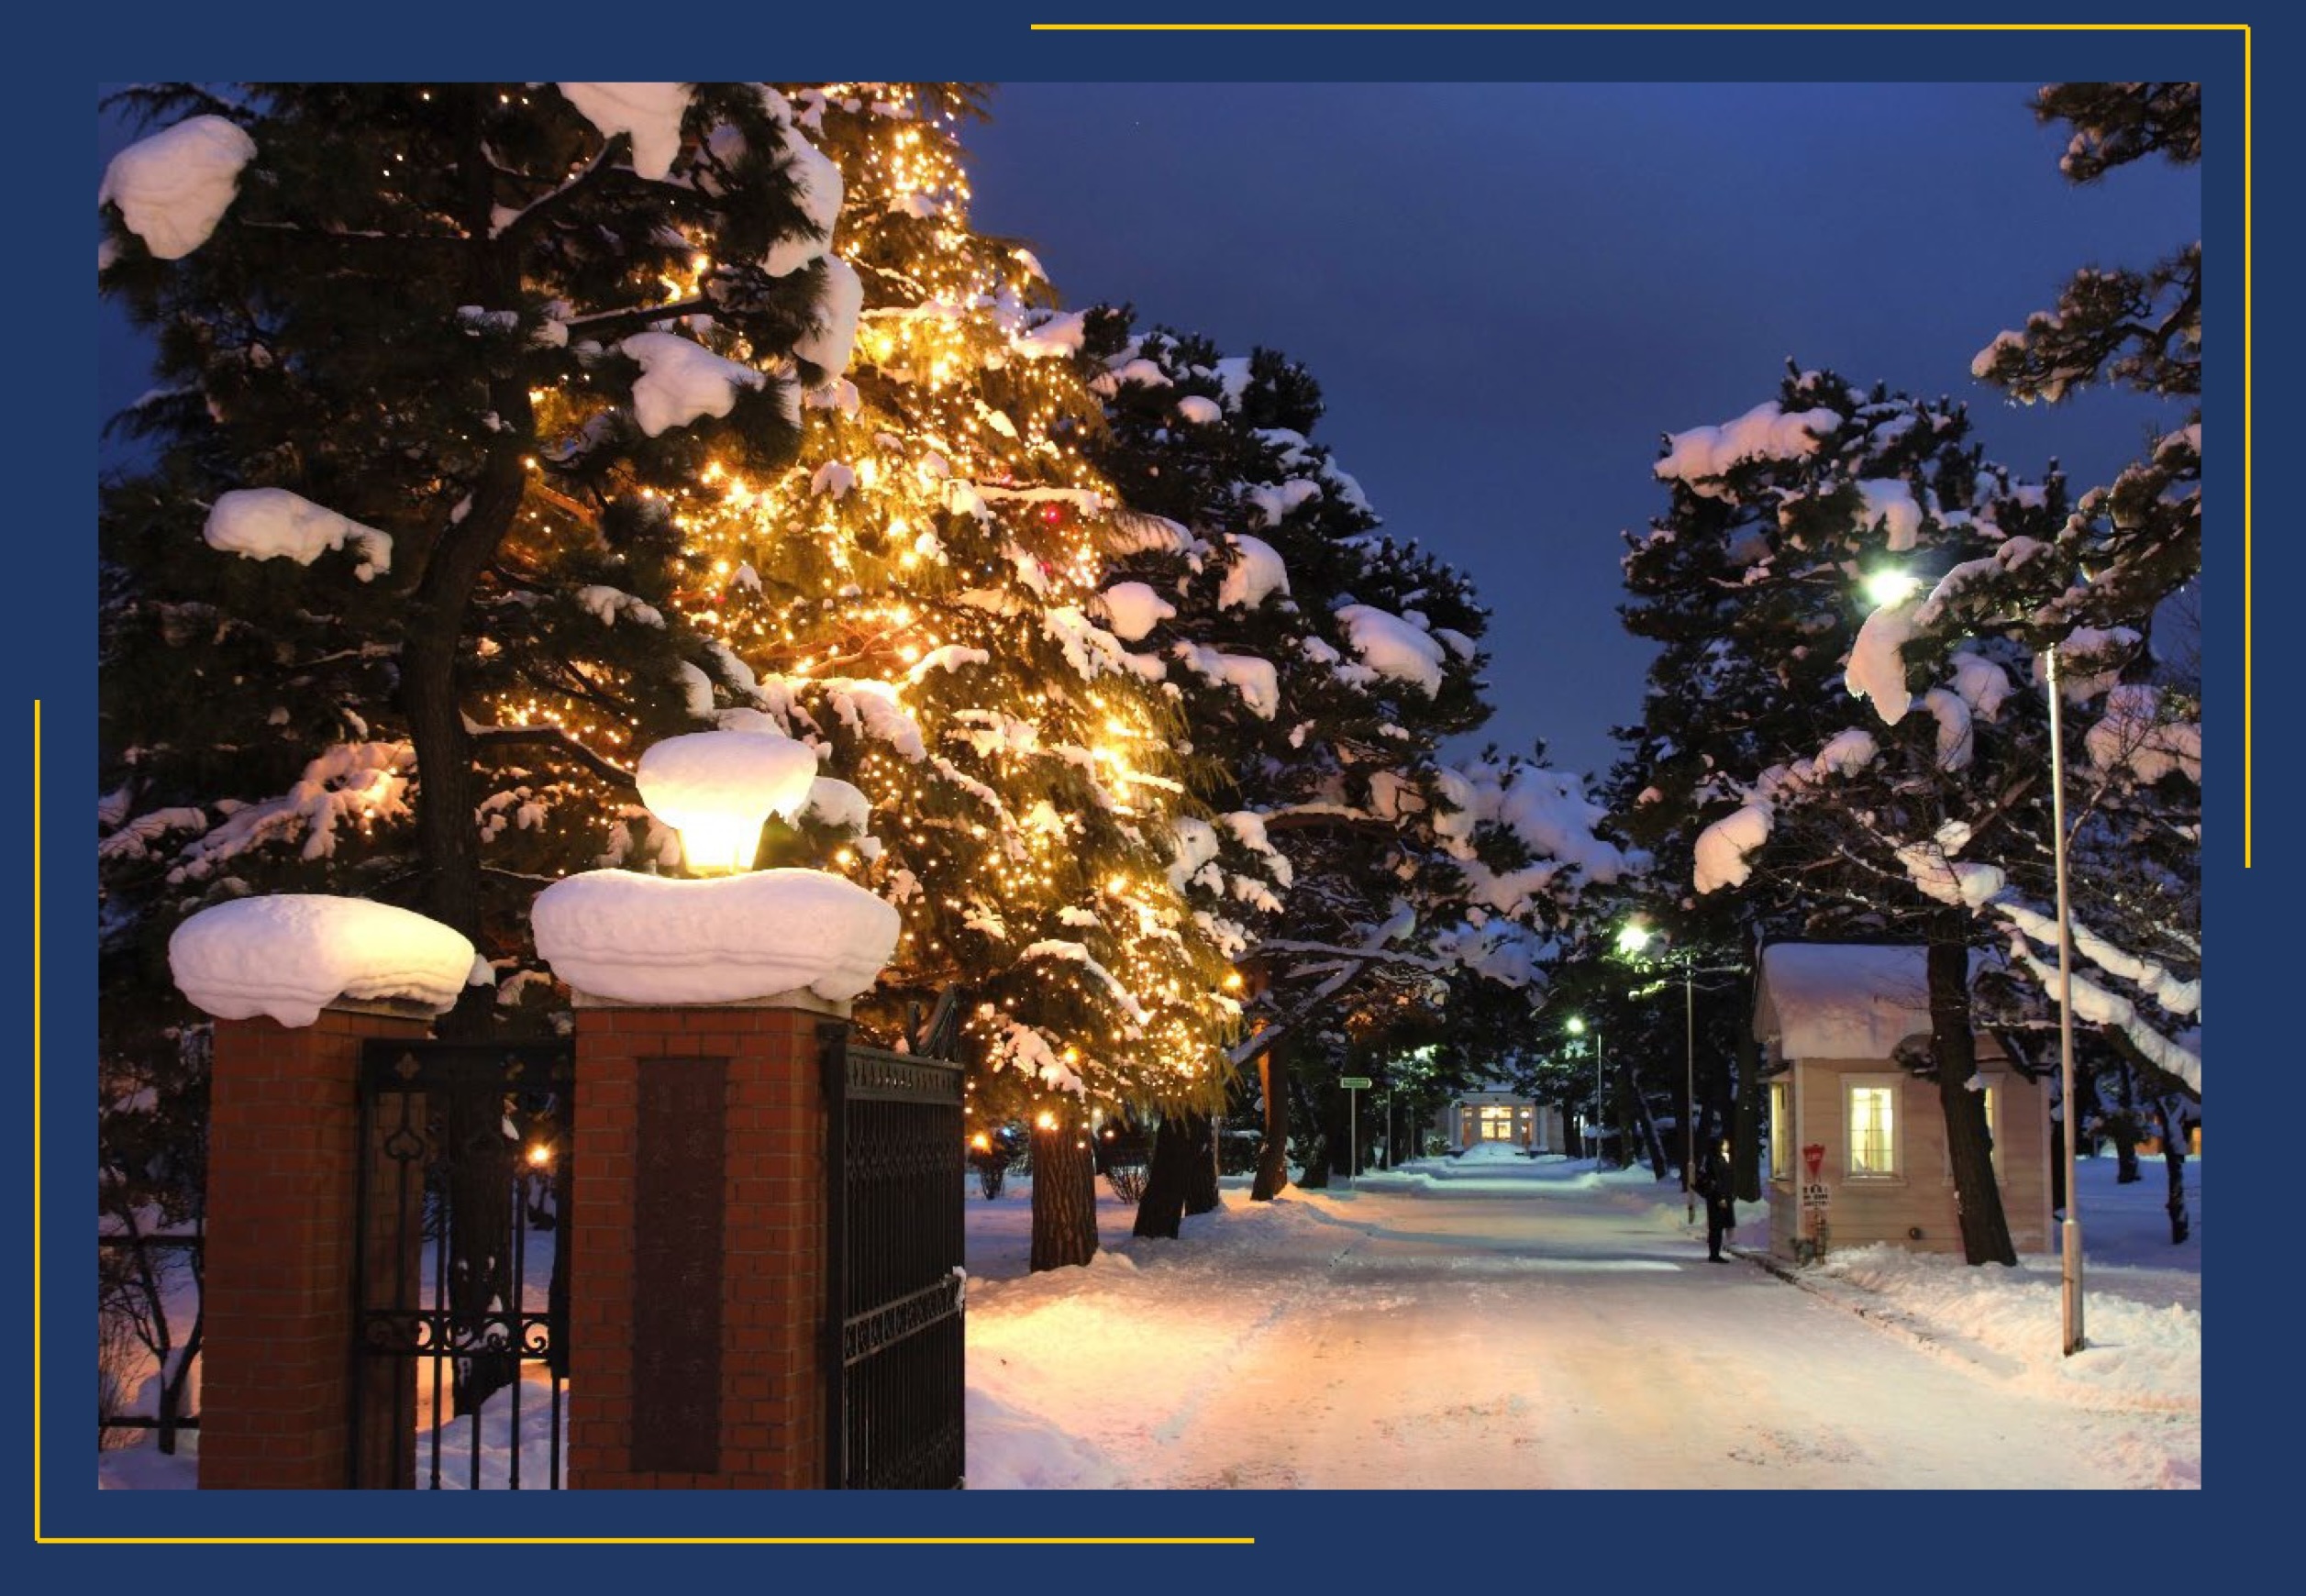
(1781, 1133)
(1873, 1130)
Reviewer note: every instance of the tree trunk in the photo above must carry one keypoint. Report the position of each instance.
(2174, 1165)
(447, 841)
(1273, 1163)
(1631, 1100)
(1746, 1143)
(1305, 1111)
(1162, 1208)
(1969, 1145)
(2125, 1132)
(1064, 1194)
(1201, 1164)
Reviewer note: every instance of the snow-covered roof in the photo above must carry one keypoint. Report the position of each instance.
(1822, 1000)
(290, 955)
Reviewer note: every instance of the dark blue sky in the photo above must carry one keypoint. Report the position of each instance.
(1509, 290)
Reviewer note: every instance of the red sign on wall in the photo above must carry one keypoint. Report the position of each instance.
(1814, 1156)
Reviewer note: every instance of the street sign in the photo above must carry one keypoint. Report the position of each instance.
(1814, 1156)
(1816, 1194)
(1355, 1082)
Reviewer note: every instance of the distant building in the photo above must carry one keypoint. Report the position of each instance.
(1829, 1019)
(1494, 1112)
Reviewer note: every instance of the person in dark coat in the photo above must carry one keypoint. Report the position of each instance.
(1719, 1191)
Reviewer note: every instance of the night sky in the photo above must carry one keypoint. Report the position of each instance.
(1509, 290)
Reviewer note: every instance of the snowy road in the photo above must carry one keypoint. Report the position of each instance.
(1548, 1331)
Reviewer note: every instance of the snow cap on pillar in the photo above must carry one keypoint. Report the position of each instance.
(717, 788)
(291, 955)
(656, 940)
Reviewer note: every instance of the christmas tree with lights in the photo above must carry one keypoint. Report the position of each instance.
(919, 596)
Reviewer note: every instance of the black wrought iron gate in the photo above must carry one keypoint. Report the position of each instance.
(461, 1270)
(895, 1398)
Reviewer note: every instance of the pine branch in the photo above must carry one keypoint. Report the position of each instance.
(552, 739)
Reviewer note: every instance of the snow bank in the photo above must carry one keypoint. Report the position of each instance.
(681, 380)
(291, 955)
(1393, 646)
(653, 939)
(272, 523)
(649, 112)
(174, 187)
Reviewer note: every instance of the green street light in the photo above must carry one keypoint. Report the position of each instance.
(1633, 937)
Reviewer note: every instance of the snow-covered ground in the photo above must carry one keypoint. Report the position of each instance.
(1520, 1323)
(1502, 1322)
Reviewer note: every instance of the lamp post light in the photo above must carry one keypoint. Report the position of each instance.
(2069, 1235)
(1631, 941)
(1888, 587)
(1576, 1028)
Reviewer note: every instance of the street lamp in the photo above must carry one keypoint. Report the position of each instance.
(2069, 1235)
(1889, 587)
(1632, 940)
(1576, 1028)
(1886, 587)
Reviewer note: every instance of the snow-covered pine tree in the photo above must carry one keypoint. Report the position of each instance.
(400, 573)
(2112, 591)
(1324, 663)
(390, 609)
(918, 593)
(1847, 830)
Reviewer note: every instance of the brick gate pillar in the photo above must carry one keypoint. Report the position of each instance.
(699, 1212)
(284, 1162)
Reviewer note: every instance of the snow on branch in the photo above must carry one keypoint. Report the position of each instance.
(2097, 1005)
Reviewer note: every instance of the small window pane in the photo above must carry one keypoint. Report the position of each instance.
(1871, 1142)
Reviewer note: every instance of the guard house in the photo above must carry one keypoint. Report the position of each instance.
(1856, 1142)
(1492, 1112)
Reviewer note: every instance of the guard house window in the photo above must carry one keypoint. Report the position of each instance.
(1870, 1117)
(1781, 1133)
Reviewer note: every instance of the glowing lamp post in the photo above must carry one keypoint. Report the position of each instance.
(1631, 941)
(1888, 588)
(1576, 1024)
(718, 788)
